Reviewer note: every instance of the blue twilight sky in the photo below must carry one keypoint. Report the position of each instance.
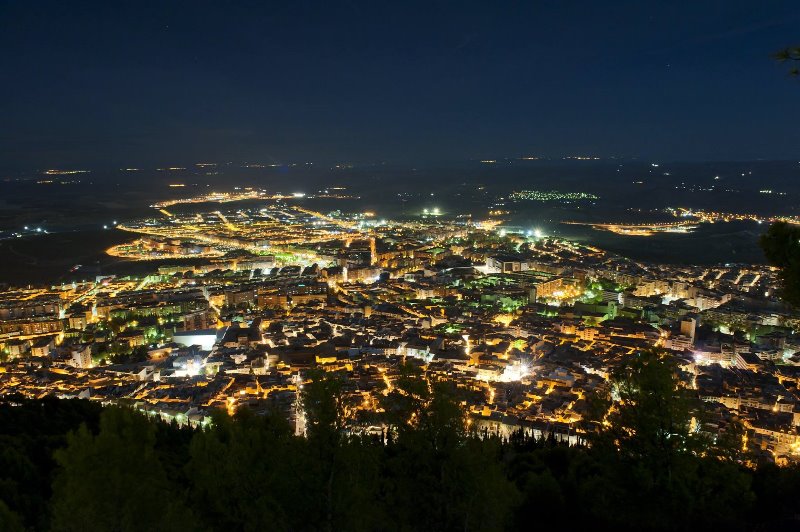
(101, 84)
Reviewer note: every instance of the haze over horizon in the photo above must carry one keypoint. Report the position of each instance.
(103, 85)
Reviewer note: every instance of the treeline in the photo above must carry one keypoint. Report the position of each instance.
(69, 465)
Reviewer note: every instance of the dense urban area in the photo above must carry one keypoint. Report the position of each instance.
(246, 310)
(528, 325)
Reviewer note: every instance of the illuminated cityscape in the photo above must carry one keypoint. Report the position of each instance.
(529, 323)
(399, 266)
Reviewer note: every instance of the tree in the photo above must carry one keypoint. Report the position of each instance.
(790, 55)
(114, 480)
(438, 476)
(342, 472)
(30, 432)
(781, 246)
(650, 422)
(406, 399)
(776, 488)
(243, 473)
(781, 243)
(665, 471)
(249, 472)
(323, 403)
(9, 520)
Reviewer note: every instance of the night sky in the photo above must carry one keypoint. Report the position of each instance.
(94, 84)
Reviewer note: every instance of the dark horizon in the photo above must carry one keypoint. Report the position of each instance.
(322, 167)
(105, 86)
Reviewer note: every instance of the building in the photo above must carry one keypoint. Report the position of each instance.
(688, 327)
(204, 338)
(82, 356)
(42, 347)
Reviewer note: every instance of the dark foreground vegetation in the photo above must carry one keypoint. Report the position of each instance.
(70, 465)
